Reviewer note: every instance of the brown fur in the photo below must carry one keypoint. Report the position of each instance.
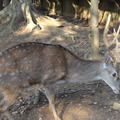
(32, 63)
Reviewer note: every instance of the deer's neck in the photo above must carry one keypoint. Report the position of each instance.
(84, 71)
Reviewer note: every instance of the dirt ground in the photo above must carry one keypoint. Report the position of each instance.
(93, 101)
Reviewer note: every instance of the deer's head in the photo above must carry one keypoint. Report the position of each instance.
(109, 74)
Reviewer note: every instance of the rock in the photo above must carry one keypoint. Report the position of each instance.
(95, 103)
(116, 106)
(40, 118)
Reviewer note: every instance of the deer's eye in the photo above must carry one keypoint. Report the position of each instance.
(114, 74)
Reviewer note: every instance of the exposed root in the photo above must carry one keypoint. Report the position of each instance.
(8, 19)
(8, 27)
(23, 9)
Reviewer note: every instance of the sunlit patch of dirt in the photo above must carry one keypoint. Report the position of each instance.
(76, 113)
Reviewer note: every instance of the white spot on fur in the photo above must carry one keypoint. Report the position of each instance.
(37, 58)
(25, 58)
(6, 64)
(24, 50)
(8, 56)
(1, 54)
(14, 63)
(19, 51)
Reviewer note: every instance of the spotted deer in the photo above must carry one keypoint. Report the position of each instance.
(31, 63)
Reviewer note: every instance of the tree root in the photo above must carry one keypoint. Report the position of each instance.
(23, 9)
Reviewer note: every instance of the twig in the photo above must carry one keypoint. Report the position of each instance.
(106, 31)
(89, 2)
(117, 43)
(116, 4)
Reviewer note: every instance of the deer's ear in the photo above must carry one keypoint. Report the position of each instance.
(108, 59)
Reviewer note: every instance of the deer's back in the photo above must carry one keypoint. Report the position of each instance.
(32, 63)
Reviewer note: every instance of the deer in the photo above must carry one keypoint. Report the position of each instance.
(33, 63)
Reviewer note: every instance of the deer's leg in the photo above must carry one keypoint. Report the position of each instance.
(49, 94)
(38, 91)
(37, 96)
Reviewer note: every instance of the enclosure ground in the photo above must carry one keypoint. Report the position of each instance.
(92, 101)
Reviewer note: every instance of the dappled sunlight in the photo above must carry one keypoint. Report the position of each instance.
(76, 7)
(76, 112)
(85, 109)
(47, 21)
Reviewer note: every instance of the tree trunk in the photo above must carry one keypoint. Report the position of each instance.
(1, 4)
(6, 3)
(94, 29)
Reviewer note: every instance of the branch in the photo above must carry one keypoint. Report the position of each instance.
(117, 4)
(89, 2)
(106, 31)
(116, 34)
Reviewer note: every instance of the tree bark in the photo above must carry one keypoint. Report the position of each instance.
(6, 3)
(94, 29)
(1, 4)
